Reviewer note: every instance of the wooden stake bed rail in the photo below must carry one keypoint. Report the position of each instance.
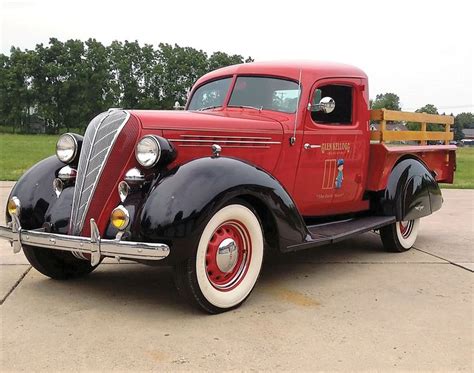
(422, 135)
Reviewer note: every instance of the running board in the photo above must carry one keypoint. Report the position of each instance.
(328, 233)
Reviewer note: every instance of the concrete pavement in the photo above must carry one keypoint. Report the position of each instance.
(349, 306)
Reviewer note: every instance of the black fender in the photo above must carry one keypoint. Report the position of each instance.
(38, 200)
(412, 192)
(181, 203)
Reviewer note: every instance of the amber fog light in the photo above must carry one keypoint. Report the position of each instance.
(120, 217)
(13, 206)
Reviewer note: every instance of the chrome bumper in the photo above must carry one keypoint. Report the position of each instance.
(95, 246)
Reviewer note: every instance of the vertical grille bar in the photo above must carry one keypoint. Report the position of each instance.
(99, 140)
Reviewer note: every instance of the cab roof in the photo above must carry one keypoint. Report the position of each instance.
(289, 69)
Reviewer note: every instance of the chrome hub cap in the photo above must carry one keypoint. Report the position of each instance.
(227, 255)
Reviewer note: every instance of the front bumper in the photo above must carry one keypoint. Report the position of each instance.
(95, 246)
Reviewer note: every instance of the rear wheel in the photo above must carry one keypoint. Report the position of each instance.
(227, 262)
(59, 265)
(400, 236)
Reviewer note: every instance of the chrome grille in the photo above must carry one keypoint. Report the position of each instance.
(98, 141)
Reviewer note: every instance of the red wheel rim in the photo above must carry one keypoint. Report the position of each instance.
(406, 227)
(226, 268)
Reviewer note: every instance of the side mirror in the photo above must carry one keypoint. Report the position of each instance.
(326, 105)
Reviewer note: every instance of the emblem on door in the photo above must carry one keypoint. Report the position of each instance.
(333, 173)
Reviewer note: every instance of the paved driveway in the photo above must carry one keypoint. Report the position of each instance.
(349, 306)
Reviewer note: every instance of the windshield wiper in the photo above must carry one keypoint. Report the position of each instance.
(248, 107)
(208, 108)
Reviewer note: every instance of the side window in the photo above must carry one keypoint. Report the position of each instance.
(342, 96)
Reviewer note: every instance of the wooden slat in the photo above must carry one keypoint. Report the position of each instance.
(448, 130)
(415, 136)
(403, 116)
(376, 135)
(423, 129)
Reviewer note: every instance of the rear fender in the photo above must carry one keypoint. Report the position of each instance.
(412, 192)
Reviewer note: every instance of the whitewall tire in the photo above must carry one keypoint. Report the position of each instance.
(401, 235)
(227, 262)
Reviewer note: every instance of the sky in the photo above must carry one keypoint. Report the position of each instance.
(420, 50)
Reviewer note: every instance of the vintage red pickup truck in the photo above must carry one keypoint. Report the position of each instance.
(265, 156)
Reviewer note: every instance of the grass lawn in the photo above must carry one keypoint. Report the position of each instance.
(464, 175)
(20, 152)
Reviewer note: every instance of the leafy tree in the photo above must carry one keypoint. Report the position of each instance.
(68, 83)
(389, 101)
(15, 88)
(428, 109)
(177, 70)
(97, 94)
(458, 126)
(221, 59)
(465, 120)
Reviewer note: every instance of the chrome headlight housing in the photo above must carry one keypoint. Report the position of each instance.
(66, 148)
(148, 151)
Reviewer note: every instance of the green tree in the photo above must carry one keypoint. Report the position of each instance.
(221, 59)
(458, 126)
(126, 70)
(97, 93)
(428, 109)
(389, 101)
(68, 83)
(176, 71)
(465, 120)
(16, 98)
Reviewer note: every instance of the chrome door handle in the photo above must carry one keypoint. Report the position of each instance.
(309, 146)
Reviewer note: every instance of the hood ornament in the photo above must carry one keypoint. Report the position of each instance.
(216, 150)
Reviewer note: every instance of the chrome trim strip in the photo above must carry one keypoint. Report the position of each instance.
(78, 223)
(228, 146)
(229, 137)
(82, 168)
(228, 141)
(94, 245)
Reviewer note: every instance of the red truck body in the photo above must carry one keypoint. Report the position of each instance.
(266, 156)
(263, 138)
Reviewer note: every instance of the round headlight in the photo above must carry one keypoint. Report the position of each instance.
(148, 151)
(66, 148)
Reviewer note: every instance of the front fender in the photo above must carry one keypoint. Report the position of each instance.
(412, 192)
(36, 194)
(181, 203)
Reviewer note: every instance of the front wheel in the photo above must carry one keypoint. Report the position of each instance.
(400, 236)
(227, 262)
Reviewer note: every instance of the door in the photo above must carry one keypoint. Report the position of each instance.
(333, 162)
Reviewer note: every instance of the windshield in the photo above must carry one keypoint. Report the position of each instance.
(210, 95)
(265, 93)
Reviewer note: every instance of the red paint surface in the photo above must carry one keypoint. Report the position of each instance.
(366, 166)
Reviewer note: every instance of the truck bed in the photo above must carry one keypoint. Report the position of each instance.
(387, 147)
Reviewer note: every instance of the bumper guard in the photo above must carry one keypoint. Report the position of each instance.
(93, 245)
